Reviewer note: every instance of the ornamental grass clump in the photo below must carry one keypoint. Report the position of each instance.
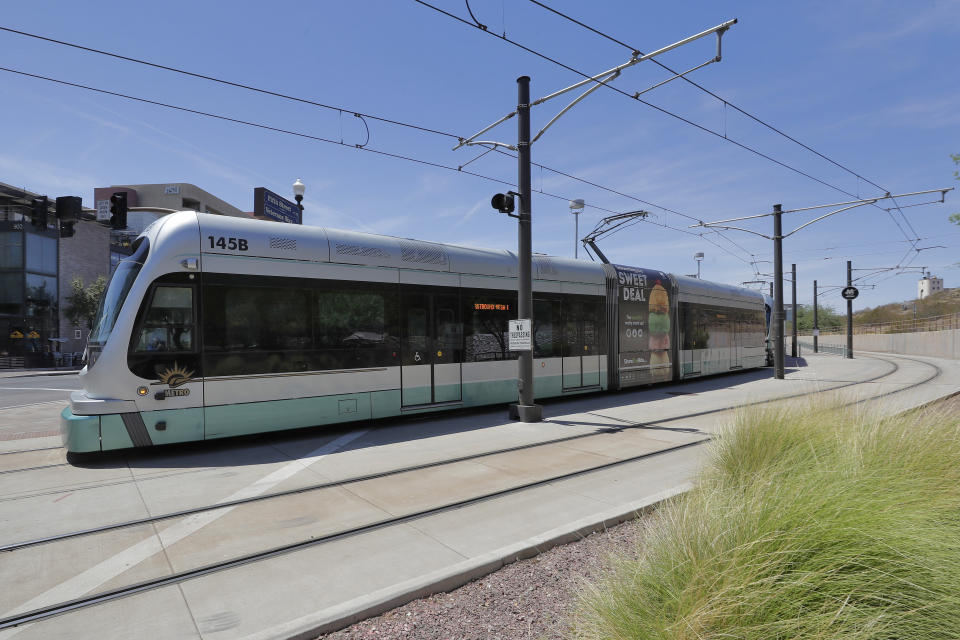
(806, 523)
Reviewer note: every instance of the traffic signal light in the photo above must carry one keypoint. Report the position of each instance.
(118, 210)
(503, 202)
(68, 213)
(38, 212)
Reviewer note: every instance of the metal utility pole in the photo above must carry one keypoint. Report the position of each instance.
(849, 311)
(525, 409)
(777, 293)
(778, 237)
(793, 345)
(816, 324)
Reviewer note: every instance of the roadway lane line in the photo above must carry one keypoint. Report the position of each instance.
(108, 569)
(32, 404)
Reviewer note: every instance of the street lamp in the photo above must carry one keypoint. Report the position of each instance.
(298, 189)
(698, 256)
(576, 208)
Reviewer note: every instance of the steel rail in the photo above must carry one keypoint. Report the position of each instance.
(121, 592)
(392, 472)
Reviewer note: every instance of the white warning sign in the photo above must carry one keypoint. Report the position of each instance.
(521, 336)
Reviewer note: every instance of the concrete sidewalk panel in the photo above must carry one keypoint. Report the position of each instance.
(53, 512)
(312, 580)
(251, 528)
(161, 613)
(29, 459)
(54, 567)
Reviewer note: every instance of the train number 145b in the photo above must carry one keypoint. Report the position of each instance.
(233, 244)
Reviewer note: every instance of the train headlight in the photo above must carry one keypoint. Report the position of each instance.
(142, 391)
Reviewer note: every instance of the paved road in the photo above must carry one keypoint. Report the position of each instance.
(30, 407)
(19, 391)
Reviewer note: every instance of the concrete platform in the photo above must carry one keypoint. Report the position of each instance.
(301, 593)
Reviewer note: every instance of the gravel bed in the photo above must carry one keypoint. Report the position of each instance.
(532, 598)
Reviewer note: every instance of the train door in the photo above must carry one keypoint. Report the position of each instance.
(694, 341)
(165, 349)
(581, 340)
(736, 341)
(430, 348)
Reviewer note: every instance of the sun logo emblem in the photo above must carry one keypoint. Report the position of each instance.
(176, 376)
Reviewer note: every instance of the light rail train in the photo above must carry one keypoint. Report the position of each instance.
(217, 327)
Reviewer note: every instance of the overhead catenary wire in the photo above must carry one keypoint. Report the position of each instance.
(719, 235)
(656, 107)
(229, 83)
(315, 103)
(726, 103)
(314, 138)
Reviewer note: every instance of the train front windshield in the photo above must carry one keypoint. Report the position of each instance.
(112, 301)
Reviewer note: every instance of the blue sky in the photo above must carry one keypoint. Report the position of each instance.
(871, 85)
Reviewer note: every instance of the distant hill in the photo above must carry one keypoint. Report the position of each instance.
(938, 304)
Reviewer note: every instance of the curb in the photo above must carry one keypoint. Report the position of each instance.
(444, 580)
(41, 373)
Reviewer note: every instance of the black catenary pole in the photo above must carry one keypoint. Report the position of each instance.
(793, 286)
(777, 293)
(525, 409)
(816, 324)
(849, 311)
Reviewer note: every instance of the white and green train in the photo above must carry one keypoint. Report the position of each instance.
(217, 327)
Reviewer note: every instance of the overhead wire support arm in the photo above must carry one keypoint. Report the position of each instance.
(602, 78)
(637, 58)
(470, 140)
(855, 203)
(679, 75)
(600, 83)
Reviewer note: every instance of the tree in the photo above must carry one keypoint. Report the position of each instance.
(955, 218)
(826, 317)
(84, 302)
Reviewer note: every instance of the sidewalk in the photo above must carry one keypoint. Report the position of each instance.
(26, 373)
(327, 586)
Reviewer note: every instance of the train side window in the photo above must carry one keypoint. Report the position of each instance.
(547, 329)
(168, 325)
(486, 316)
(353, 328)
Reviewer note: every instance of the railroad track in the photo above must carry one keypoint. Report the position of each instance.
(488, 458)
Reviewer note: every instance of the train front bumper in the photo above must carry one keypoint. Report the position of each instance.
(80, 434)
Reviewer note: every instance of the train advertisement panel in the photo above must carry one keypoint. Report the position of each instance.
(643, 325)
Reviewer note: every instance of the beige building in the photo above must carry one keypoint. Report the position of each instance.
(96, 249)
(163, 198)
(927, 285)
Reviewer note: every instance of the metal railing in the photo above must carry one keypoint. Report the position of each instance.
(910, 325)
(836, 349)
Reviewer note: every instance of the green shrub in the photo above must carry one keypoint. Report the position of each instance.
(806, 523)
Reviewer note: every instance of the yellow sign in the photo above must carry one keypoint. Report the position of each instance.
(16, 334)
(33, 334)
